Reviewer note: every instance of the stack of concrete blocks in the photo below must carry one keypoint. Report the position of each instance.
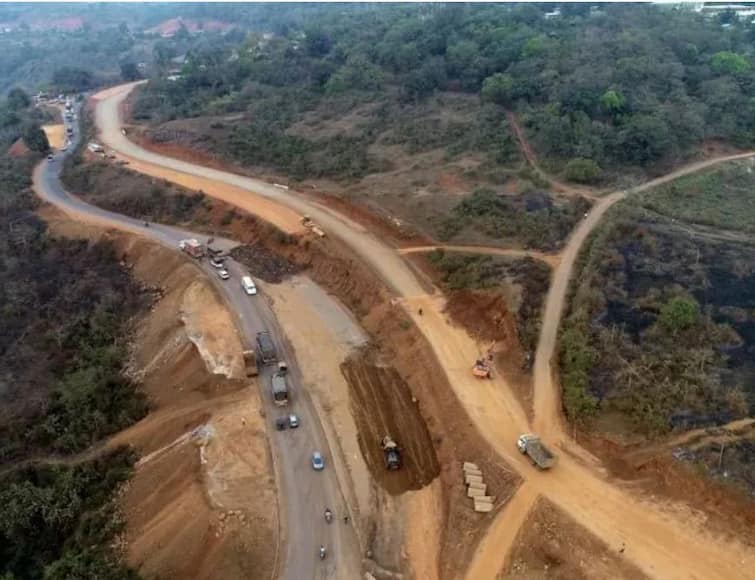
(476, 489)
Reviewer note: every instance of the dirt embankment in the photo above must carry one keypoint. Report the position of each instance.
(382, 404)
(202, 501)
(552, 545)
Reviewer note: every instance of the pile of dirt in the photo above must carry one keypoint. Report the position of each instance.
(382, 404)
(485, 315)
(552, 545)
(264, 263)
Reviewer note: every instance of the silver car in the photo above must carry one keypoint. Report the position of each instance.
(223, 274)
(318, 463)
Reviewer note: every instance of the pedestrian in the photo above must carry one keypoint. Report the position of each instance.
(623, 547)
(419, 312)
(345, 519)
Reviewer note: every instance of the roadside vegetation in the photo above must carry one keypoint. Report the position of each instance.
(659, 330)
(721, 198)
(533, 220)
(66, 307)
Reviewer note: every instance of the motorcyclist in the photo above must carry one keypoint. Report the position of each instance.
(328, 515)
(322, 552)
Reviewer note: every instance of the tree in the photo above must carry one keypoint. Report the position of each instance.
(583, 171)
(317, 42)
(18, 99)
(35, 139)
(679, 313)
(729, 63)
(70, 79)
(498, 89)
(129, 71)
(612, 101)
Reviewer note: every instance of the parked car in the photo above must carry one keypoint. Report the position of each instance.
(293, 421)
(223, 274)
(248, 285)
(318, 463)
(217, 262)
(50, 157)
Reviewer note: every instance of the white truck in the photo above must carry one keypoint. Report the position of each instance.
(530, 445)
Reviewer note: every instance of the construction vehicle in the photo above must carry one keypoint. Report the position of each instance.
(307, 222)
(250, 363)
(280, 389)
(192, 247)
(390, 453)
(266, 348)
(540, 455)
(481, 369)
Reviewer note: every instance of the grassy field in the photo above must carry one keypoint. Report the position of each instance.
(722, 198)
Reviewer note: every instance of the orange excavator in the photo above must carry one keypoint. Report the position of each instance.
(481, 369)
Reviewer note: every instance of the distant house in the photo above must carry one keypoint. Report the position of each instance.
(554, 14)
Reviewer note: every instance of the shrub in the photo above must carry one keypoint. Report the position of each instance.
(583, 171)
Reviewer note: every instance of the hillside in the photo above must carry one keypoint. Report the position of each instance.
(403, 108)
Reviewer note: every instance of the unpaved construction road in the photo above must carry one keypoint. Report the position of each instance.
(303, 494)
(662, 539)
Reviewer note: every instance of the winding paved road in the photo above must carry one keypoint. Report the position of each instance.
(303, 494)
(662, 543)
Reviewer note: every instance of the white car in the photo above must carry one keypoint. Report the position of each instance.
(223, 274)
(293, 421)
(216, 262)
(248, 285)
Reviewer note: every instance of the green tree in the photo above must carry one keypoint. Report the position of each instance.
(18, 99)
(129, 71)
(498, 89)
(70, 79)
(679, 313)
(35, 139)
(612, 101)
(583, 171)
(729, 63)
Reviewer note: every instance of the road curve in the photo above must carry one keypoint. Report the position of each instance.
(303, 494)
(663, 544)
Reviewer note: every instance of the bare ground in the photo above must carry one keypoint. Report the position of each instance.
(552, 545)
(202, 501)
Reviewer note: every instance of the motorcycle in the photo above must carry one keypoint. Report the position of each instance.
(323, 553)
(328, 516)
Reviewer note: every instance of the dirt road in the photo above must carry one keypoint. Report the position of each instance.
(550, 259)
(661, 539)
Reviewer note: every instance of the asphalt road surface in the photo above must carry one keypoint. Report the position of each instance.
(303, 494)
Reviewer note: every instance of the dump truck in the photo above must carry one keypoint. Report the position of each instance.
(266, 348)
(250, 363)
(391, 453)
(481, 369)
(280, 389)
(540, 455)
(192, 247)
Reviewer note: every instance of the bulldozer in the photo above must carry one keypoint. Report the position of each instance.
(391, 453)
(481, 369)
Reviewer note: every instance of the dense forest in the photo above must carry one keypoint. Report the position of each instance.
(66, 307)
(598, 88)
